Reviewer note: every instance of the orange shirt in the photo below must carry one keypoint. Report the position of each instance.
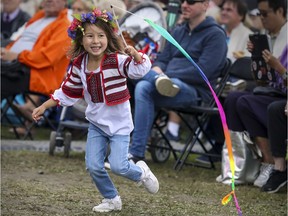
(47, 60)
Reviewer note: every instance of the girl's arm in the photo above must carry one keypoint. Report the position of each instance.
(131, 51)
(39, 111)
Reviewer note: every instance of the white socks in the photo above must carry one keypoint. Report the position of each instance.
(173, 128)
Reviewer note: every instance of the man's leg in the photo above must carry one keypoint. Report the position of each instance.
(146, 99)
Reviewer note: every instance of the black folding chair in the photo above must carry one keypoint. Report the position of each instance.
(10, 100)
(202, 114)
(160, 147)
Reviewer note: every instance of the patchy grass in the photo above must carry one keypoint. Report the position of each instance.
(34, 183)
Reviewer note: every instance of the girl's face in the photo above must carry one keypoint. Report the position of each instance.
(94, 41)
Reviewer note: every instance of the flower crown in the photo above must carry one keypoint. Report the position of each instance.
(91, 17)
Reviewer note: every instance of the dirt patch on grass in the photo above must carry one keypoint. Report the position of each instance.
(33, 183)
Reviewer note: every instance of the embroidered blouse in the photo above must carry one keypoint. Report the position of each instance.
(104, 90)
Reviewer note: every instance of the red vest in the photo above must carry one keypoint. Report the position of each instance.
(110, 83)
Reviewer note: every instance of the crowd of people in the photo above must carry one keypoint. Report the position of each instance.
(37, 56)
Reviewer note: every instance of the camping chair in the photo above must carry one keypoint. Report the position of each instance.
(20, 118)
(201, 115)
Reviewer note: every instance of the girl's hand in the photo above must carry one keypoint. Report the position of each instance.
(129, 50)
(38, 113)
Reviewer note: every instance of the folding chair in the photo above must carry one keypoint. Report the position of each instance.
(160, 147)
(202, 115)
(20, 117)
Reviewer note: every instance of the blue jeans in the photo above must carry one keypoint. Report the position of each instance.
(96, 149)
(146, 99)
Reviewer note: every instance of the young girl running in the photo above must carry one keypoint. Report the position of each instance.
(98, 73)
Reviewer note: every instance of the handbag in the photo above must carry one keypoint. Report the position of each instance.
(246, 157)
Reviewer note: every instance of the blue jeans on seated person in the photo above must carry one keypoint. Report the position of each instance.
(146, 99)
(96, 149)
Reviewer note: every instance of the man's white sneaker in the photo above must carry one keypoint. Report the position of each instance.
(108, 205)
(148, 179)
(265, 171)
(165, 86)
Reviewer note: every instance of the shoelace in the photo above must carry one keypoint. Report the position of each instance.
(106, 201)
(267, 170)
(145, 179)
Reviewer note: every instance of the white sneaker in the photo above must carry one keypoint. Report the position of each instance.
(165, 86)
(148, 179)
(108, 205)
(107, 165)
(265, 171)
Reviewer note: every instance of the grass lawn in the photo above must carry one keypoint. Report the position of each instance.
(34, 183)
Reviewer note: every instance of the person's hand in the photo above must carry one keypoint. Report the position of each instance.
(238, 54)
(7, 55)
(38, 113)
(131, 51)
(250, 46)
(272, 61)
(2, 52)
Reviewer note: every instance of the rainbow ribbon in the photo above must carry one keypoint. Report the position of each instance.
(168, 37)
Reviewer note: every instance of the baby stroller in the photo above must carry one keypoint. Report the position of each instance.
(137, 33)
(63, 137)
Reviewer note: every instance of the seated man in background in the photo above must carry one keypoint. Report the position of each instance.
(232, 16)
(205, 42)
(36, 61)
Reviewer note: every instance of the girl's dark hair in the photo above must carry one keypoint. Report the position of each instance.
(115, 43)
(276, 4)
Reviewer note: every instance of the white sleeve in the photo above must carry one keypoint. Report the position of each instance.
(135, 70)
(63, 99)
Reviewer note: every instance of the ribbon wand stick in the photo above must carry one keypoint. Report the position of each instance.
(118, 26)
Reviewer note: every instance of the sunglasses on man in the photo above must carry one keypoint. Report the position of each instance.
(191, 2)
(264, 13)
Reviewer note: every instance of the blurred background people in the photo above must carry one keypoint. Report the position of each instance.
(36, 61)
(12, 18)
(233, 15)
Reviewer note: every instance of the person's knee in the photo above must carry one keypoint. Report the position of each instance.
(230, 101)
(119, 168)
(276, 107)
(142, 89)
(242, 105)
(94, 168)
